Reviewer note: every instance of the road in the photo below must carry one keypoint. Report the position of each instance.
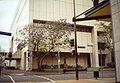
(21, 78)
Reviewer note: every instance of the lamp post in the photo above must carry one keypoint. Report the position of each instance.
(76, 56)
(58, 61)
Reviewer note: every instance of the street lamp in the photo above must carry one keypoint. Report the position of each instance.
(58, 60)
(76, 56)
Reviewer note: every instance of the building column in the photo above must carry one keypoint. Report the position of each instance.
(115, 13)
(29, 61)
(91, 59)
(95, 60)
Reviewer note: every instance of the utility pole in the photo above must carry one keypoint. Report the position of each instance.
(76, 56)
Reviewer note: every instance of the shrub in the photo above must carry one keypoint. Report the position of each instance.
(80, 67)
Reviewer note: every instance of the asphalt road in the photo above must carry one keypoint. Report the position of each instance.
(25, 79)
(21, 78)
(82, 75)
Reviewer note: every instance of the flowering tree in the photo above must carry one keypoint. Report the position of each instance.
(106, 37)
(44, 38)
(106, 34)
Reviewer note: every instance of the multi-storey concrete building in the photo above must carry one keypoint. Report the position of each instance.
(115, 13)
(109, 10)
(29, 11)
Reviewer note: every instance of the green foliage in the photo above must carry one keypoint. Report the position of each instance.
(45, 66)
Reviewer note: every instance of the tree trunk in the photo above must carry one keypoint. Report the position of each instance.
(41, 59)
(38, 63)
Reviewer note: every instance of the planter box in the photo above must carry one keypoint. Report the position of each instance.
(93, 69)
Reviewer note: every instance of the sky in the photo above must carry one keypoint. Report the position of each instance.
(7, 10)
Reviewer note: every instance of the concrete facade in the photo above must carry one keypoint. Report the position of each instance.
(53, 10)
(115, 13)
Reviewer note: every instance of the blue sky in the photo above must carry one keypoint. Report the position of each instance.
(7, 10)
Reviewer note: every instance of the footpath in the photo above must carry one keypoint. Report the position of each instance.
(93, 80)
(104, 80)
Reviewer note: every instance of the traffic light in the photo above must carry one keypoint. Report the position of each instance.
(71, 42)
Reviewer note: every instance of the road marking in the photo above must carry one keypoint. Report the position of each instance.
(20, 74)
(11, 79)
(46, 78)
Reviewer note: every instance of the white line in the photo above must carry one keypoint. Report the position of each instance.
(11, 79)
(46, 78)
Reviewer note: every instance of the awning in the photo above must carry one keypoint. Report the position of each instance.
(100, 12)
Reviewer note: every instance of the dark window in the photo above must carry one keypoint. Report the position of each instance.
(71, 42)
(88, 60)
(28, 54)
(102, 60)
(24, 53)
(83, 29)
(99, 33)
(95, 2)
(101, 46)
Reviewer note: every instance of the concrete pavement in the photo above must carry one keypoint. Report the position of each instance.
(105, 80)
(54, 76)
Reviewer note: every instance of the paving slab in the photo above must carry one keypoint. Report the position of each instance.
(105, 80)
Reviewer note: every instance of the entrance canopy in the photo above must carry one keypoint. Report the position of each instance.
(99, 12)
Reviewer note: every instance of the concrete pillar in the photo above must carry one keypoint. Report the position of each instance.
(95, 60)
(115, 13)
(91, 59)
(29, 61)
